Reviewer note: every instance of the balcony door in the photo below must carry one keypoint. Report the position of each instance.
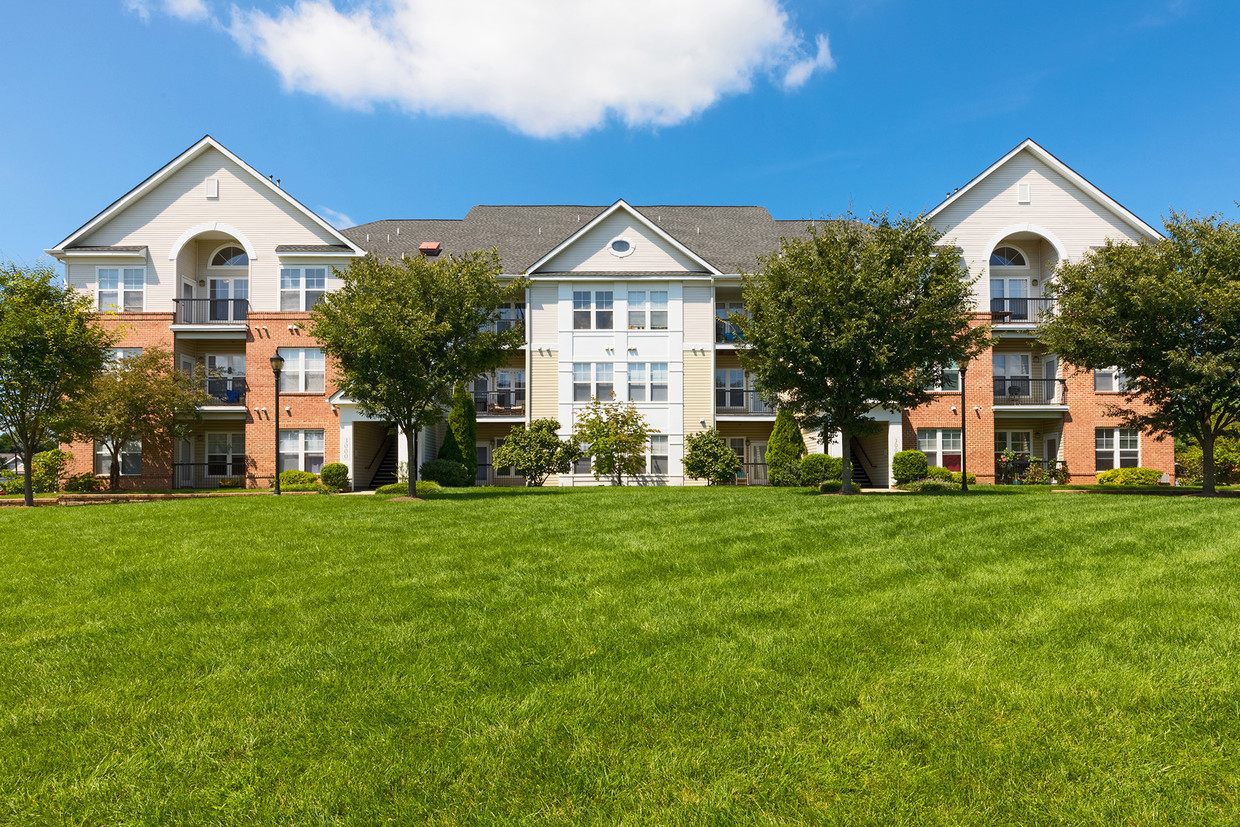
(228, 299)
(226, 377)
(1050, 373)
(185, 458)
(225, 455)
(1013, 372)
(1011, 297)
(757, 463)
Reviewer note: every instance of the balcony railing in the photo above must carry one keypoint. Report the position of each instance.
(225, 390)
(1031, 471)
(1022, 390)
(211, 311)
(726, 333)
(741, 401)
(752, 473)
(224, 472)
(500, 403)
(1020, 311)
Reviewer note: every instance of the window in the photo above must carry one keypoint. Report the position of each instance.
(656, 459)
(1018, 441)
(226, 455)
(229, 299)
(229, 256)
(121, 289)
(507, 472)
(301, 451)
(648, 314)
(1116, 448)
(1013, 373)
(593, 308)
(730, 388)
(620, 247)
(303, 370)
(942, 446)
(509, 389)
(1007, 257)
(601, 388)
(725, 331)
(130, 457)
(1110, 380)
(226, 377)
(946, 380)
(582, 465)
(648, 382)
(301, 287)
(116, 354)
(511, 315)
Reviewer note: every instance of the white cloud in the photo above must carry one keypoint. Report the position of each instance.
(183, 9)
(337, 219)
(544, 68)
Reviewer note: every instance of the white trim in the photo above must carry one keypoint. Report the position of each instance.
(1009, 267)
(1063, 169)
(1061, 252)
(176, 164)
(213, 227)
(140, 254)
(650, 225)
(227, 268)
(120, 288)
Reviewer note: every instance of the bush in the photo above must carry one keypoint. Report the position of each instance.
(786, 445)
(1130, 476)
(448, 473)
(935, 472)
(335, 475)
(929, 486)
(537, 452)
(313, 486)
(47, 469)
(787, 473)
(819, 468)
(833, 486)
(84, 483)
(708, 457)
(294, 477)
(426, 488)
(956, 478)
(11, 483)
(908, 466)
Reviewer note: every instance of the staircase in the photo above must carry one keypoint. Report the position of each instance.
(859, 474)
(385, 474)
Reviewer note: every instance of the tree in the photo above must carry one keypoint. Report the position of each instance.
(617, 435)
(1167, 314)
(50, 348)
(537, 452)
(855, 316)
(784, 449)
(462, 435)
(708, 457)
(404, 333)
(138, 397)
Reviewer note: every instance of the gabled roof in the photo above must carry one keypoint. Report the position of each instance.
(166, 171)
(1034, 149)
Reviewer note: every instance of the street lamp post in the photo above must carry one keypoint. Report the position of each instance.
(277, 365)
(964, 443)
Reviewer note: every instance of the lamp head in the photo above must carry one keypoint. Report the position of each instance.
(277, 364)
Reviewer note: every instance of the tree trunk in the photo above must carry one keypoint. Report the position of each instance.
(846, 476)
(28, 464)
(411, 445)
(1207, 461)
(114, 474)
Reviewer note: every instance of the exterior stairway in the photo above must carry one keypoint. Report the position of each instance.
(859, 474)
(385, 474)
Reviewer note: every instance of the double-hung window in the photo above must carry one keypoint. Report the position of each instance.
(1116, 448)
(1016, 441)
(509, 389)
(648, 382)
(647, 310)
(730, 389)
(303, 370)
(121, 289)
(301, 450)
(130, 458)
(603, 385)
(582, 465)
(301, 287)
(657, 458)
(1110, 380)
(592, 310)
(942, 446)
(946, 379)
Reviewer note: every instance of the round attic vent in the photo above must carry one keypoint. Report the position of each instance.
(620, 247)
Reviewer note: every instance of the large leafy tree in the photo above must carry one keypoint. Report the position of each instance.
(1168, 314)
(617, 435)
(50, 348)
(403, 333)
(138, 397)
(537, 452)
(853, 316)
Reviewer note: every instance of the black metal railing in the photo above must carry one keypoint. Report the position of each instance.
(225, 390)
(1020, 311)
(1022, 390)
(726, 333)
(1030, 471)
(211, 311)
(752, 473)
(500, 403)
(741, 401)
(225, 472)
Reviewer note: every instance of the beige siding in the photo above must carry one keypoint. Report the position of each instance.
(589, 253)
(543, 312)
(699, 315)
(543, 385)
(699, 391)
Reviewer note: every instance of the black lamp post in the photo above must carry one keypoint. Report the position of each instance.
(964, 443)
(277, 365)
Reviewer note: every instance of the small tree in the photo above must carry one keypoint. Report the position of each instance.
(537, 452)
(784, 449)
(853, 317)
(50, 348)
(403, 334)
(617, 435)
(708, 457)
(462, 436)
(1167, 314)
(139, 397)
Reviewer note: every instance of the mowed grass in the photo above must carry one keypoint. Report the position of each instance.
(633, 656)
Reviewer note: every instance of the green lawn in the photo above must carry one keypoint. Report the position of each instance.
(636, 656)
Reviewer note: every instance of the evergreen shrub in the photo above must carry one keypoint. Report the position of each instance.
(908, 466)
(448, 473)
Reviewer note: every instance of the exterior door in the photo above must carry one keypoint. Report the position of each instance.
(483, 453)
(187, 306)
(737, 444)
(757, 463)
(185, 470)
(1050, 388)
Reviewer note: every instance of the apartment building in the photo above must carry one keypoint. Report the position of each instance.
(215, 262)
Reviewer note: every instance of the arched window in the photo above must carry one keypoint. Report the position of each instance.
(1007, 257)
(229, 256)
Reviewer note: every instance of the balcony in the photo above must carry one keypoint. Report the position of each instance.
(223, 472)
(1026, 470)
(726, 333)
(211, 311)
(1027, 311)
(225, 390)
(741, 402)
(500, 403)
(1022, 391)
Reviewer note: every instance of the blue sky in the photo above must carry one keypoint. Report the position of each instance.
(423, 108)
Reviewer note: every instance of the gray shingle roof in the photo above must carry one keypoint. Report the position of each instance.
(729, 238)
(109, 249)
(312, 248)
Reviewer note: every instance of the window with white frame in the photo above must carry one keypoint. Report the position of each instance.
(648, 382)
(1013, 373)
(647, 310)
(1015, 441)
(226, 455)
(1110, 380)
(946, 379)
(301, 450)
(582, 465)
(592, 310)
(942, 446)
(593, 380)
(230, 255)
(304, 370)
(121, 289)
(656, 458)
(301, 287)
(130, 458)
(119, 354)
(1116, 448)
(725, 331)
(509, 389)
(225, 379)
(511, 314)
(730, 388)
